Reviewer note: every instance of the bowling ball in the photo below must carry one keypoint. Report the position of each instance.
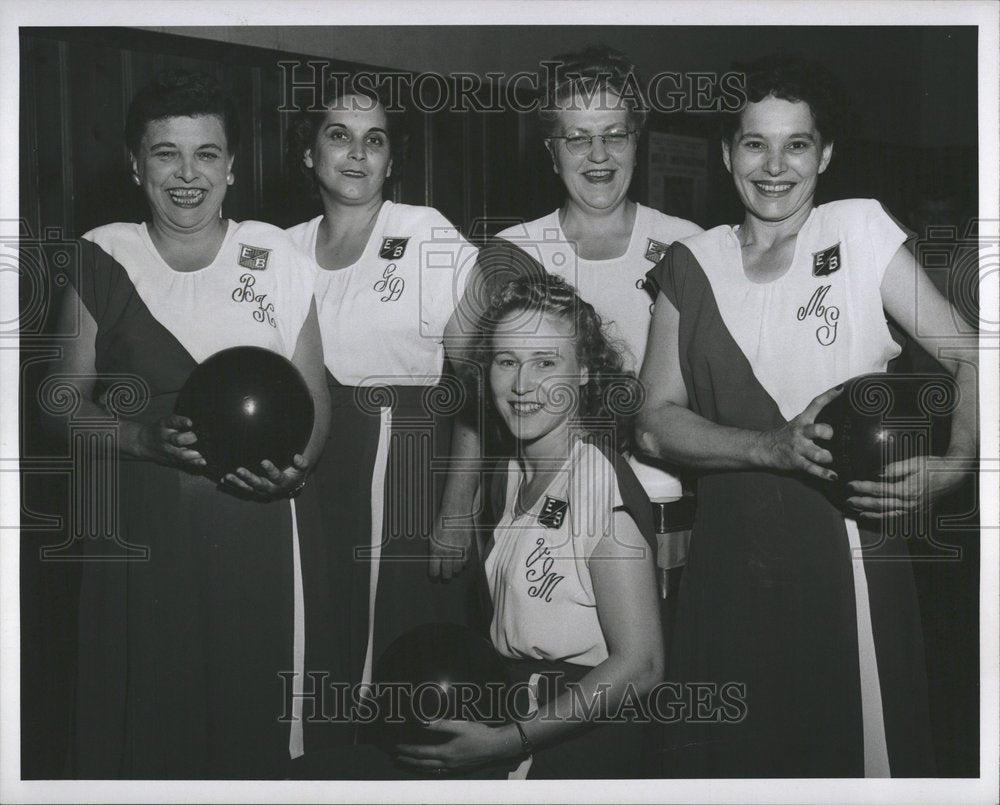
(438, 670)
(880, 418)
(247, 404)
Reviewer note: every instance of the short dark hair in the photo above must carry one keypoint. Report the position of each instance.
(596, 69)
(177, 93)
(306, 124)
(793, 78)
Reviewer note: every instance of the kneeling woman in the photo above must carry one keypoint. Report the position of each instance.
(569, 563)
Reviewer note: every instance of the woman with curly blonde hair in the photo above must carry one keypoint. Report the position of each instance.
(569, 564)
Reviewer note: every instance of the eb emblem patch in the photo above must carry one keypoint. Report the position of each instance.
(253, 257)
(826, 261)
(655, 250)
(553, 512)
(392, 248)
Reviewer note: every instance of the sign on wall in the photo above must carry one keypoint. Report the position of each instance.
(677, 170)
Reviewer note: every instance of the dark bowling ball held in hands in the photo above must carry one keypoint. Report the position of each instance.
(438, 670)
(881, 418)
(247, 404)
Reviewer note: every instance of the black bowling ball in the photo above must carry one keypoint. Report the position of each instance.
(247, 404)
(438, 670)
(880, 418)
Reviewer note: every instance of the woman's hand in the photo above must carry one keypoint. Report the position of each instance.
(791, 447)
(905, 486)
(472, 744)
(167, 441)
(274, 483)
(450, 548)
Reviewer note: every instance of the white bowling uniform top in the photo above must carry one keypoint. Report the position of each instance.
(383, 317)
(539, 566)
(256, 292)
(617, 290)
(820, 323)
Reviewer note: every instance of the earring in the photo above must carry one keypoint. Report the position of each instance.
(136, 179)
(230, 179)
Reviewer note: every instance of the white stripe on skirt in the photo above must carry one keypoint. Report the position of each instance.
(876, 751)
(377, 505)
(296, 743)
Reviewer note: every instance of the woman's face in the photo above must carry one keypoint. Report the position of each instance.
(535, 377)
(183, 167)
(350, 157)
(776, 158)
(598, 179)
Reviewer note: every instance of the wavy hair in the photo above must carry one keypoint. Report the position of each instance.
(611, 396)
(597, 69)
(793, 78)
(305, 126)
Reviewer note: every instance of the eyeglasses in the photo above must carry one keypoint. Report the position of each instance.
(579, 144)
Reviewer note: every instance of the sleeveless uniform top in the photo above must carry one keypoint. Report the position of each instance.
(538, 569)
(822, 321)
(383, 317)
(617, 290)
(779, 590)
(256, 292)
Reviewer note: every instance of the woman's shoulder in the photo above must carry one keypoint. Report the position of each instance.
(261, 232)
(413, 217)
(851, 210)
(109, 234)
(716, 236)
(715, 246)
(605, 482)
(669, 227)
(531, 229)
(262, 229)
(298, 231)
(255, 238)
(598, 462)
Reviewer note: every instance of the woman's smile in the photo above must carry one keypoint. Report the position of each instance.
(187, 197)
(525, 409)
(773, 189)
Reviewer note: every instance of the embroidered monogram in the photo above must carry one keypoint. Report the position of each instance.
(826, 333)
(391, 284)
(538, 571)
(264, 312)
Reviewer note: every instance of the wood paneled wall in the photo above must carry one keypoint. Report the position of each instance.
(77, 83)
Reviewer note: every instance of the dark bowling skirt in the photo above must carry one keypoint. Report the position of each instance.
(609, 751)
(378, 486)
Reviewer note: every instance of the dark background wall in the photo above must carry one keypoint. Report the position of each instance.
(912, 144)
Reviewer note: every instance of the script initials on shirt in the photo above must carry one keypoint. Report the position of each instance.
(826, 333)
(390, 285)
(244, 293)
(539, 573)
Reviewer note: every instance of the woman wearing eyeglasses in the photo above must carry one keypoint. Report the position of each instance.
(600, 241)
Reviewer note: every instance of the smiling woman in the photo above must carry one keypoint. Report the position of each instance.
(802, 600)
(592, 117)
(181, 651)
(388, 279)
(569, 558)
